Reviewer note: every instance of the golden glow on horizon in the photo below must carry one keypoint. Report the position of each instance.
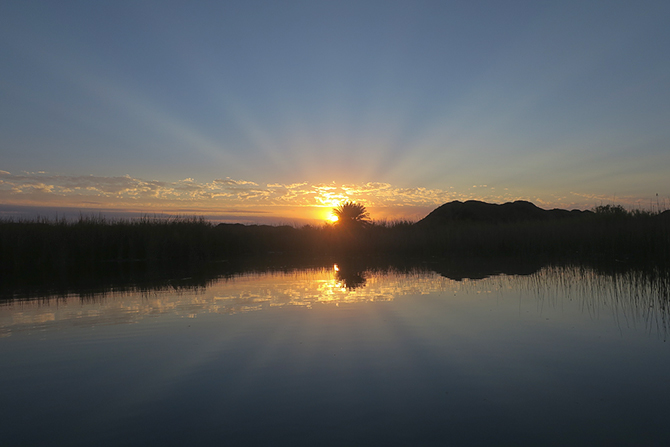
(244, 201)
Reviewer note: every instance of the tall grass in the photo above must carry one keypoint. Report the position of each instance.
(606, 233)
(55, 250)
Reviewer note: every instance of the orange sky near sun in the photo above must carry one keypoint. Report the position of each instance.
(234, 200)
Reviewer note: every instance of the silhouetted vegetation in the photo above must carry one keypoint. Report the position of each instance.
(351, 215)
(58, 252)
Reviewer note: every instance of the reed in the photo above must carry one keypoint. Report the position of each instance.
(47, 249)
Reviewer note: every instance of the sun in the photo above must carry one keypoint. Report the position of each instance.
(332, 218)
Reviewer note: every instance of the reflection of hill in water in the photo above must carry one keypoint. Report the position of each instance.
(243, 293)
(632, 295)
(480, 268)
(146, 277)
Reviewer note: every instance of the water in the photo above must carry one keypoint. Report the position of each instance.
(560, 356)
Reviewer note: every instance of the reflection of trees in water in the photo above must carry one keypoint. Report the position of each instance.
(635, 295)
(349, 276)
(635, 298)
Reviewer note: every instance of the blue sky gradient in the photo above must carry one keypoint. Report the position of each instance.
(562, 103)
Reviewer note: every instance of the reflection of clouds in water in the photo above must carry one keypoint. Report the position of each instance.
(227, 296)
(323, 287)
(630, 297)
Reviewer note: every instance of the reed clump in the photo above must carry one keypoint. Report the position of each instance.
(48, 248)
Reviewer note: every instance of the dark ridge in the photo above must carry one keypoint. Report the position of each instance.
(54, 254)
(477, 211)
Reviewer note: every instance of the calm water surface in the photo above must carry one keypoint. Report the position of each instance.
(563, 356)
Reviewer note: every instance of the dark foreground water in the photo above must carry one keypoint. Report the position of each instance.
(562, 356)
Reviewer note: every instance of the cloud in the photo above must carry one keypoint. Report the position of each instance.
(229, 181)
(219, 192)
(45, 189)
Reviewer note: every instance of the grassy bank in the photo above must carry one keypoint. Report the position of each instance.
(44, 249)
(627, 237)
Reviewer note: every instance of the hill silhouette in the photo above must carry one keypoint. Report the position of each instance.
(54, 252)
(477, 211)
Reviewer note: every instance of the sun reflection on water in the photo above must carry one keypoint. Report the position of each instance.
(338, 285)
(246, 293)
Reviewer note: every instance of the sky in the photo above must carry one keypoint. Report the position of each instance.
(276, 111)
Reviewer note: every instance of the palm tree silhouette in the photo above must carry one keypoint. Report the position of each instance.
(351, 215)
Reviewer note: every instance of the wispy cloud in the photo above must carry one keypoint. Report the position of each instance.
(228, 192)
(126, 192)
